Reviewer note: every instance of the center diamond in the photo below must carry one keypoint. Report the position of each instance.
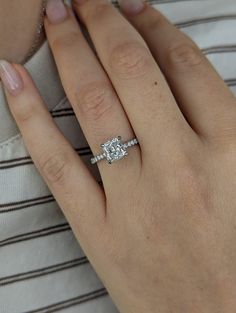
(114, 149)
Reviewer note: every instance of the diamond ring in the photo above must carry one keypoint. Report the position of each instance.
(114, 150)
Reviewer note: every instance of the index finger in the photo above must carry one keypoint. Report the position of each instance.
(74, 188)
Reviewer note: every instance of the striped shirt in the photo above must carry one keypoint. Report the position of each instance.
(42, 266)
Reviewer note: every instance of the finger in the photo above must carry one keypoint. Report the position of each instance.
(72, 185)
(202, 95)
(90, 92)
(140, 85)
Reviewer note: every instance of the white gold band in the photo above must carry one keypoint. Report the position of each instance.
(114, 150)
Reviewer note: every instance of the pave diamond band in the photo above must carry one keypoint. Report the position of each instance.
(114, 150)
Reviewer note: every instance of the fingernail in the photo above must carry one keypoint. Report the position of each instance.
(131, 6)
(56, 11)
(11, 78)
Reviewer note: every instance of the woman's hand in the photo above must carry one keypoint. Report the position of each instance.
(162, 233)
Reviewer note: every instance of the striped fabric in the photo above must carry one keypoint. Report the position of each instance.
(42, 267)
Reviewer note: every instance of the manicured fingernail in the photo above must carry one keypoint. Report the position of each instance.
(11, 78)
(131, 6)
(56, 11)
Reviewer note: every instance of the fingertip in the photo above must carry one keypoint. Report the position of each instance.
(57, 12)
(20, 87)
(20, 69)
(26, 77)
(132, 7)
(50, 27)
(11, 78)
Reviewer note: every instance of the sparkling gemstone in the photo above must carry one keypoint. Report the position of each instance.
(114, 149)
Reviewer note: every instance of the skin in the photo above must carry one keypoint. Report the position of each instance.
(161, 234)
(18, 28)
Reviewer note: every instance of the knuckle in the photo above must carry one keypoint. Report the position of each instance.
(192, 189)
(95, 100)
(185, 56)
(130, 60)
(224, 137)
(54, 167)
(187, 185)
(65, 41)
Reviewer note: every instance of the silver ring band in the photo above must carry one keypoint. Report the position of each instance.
(114, 150)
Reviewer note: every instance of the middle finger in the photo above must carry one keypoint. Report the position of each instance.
(89, 90)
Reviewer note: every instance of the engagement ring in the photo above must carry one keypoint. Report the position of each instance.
(114, 150)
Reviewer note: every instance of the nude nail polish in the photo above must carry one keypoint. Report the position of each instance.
(11, 79)
(131, 6)
(56, 11)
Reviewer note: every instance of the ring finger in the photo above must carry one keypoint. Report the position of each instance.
(89, 90)
(138, 81)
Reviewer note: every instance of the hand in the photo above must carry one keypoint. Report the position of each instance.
(161, 235)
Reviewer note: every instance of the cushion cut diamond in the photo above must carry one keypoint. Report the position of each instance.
(114, 149)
